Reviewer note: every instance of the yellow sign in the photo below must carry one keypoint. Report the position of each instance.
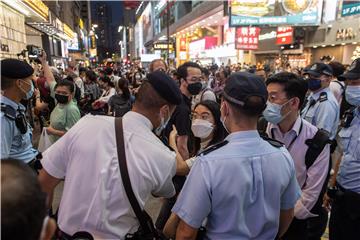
(163, 46)
(81, 23)
(39, 7)
(68, 31)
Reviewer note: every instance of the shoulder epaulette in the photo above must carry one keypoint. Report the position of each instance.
(8, 111)
(213, 148)
(323, 97)
(272, 141)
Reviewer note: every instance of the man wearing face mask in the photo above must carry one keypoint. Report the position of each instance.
(16, 132)
(94, 199)
(286, 96)
(190, 85)
(322, 109)
(245, 186)
(344, 190)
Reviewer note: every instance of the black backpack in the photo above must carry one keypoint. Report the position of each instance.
(119, 105)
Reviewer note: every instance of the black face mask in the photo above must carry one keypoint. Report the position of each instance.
(194, 88)
(61, 98)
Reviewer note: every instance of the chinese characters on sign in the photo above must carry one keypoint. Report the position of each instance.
(247, 38)
(284, 35)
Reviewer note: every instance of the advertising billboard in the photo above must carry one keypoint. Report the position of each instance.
(275, 12)
(247, 38)
(350, 7)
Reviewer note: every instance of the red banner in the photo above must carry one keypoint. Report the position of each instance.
(247, 38)
(182, 44)
(284, 35)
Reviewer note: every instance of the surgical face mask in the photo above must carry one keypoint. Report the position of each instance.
(194, 88)
(29, 93)
(314, 84)
(272, 112)
(62, 99)
(223, 121)
(201, 128)
(352, 95)
(162, 126)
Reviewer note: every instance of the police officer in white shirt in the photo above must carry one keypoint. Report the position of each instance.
(94, 199)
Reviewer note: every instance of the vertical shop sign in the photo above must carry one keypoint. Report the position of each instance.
(247, 38)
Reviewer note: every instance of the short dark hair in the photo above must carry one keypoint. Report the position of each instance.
(108, 71)
(107, 80)
(294, 86)
(205, 71)
(23, 204)
(91, 75)
(6, 82)
(254, 107)
(182, 70)
(82, 69)
(66, 83)
(148, 98)
(337, 68)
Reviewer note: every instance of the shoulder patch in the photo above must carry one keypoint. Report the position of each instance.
(323, 97)
(8, 111)
(272, 141)
(213, 148)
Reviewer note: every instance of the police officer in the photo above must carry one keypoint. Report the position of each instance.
(322, 108)
(94, 199)
(345, 191)
(286, 95)
(243, 192)
(16, 132)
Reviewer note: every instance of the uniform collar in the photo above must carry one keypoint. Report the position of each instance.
(295, 128)
(242, 134)
(11, 103)
(137, 118)
(316, 96)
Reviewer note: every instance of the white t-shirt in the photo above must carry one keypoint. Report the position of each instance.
(94, 199)
(80, 83)
(106, 95)
(337, 90)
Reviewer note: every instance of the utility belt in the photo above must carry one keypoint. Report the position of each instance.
(346, 199)
(35, 164)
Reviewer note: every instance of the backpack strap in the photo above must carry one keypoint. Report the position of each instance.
(273, 142)
(316, 146)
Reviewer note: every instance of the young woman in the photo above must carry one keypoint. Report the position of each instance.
(208, 130)
(66, 112)
(108, 91)
(120, 103)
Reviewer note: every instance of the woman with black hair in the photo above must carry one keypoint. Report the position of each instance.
(120, 103)
(66, 112)
(208, 130)
(108, 91)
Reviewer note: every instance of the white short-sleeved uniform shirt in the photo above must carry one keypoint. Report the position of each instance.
(94, 198)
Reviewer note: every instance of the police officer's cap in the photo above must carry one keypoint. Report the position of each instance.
(243, 85)
(165, 86)
(318, 69)
(353, 71)
(15, 69)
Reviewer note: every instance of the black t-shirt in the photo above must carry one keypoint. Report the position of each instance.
(181, 118)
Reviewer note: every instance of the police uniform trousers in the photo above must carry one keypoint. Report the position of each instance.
(345, 216)
(297, 230)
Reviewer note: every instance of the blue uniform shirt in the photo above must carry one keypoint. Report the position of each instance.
(323, 114)
(14, 144)
(240, 188)
(349, 171)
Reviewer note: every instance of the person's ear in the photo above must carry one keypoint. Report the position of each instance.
(295, 103)
(49, 230)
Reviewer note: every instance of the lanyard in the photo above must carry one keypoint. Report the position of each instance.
(294, 139)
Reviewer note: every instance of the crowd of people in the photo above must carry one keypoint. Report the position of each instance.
(235, 153)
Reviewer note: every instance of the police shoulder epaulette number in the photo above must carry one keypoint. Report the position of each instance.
(273, 142)
(323, 97)
(213, 148)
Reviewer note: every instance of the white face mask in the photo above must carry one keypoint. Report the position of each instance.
(162, 126)
(201, 128)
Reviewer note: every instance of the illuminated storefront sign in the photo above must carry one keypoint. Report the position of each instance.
(263, 12)
(38, 6)
(247, 38)
(163, 46)
(68, 31)
(182, 44)
(81, 23)
(350, 7)
(284, 35)
(345, 34)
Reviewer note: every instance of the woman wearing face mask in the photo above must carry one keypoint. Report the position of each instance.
(208, 130)
(66, 112)
(108, 91)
